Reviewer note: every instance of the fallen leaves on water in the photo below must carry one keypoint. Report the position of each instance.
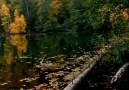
(28, 79)
(59, 73)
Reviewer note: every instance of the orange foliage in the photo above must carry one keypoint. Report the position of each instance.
(54, 8)
(19, 24)
(20, 42)
(13, 28)
(125, 15)
(120, 13)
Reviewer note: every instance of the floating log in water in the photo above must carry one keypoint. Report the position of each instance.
(119, 73)
(78, 79)
(72, 85)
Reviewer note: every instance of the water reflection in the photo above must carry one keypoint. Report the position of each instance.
(14, 47)
(20, 42)
(20, 56)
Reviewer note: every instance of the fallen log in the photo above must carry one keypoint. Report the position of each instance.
(119, 73)
(72, 85)
(78, 79)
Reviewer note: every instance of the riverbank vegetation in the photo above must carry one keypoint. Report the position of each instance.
(20, 16)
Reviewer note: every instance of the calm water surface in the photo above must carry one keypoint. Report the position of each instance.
(21, 57)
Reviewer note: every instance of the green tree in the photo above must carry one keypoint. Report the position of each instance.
(76, 20)
(107, 16)
(45, 13)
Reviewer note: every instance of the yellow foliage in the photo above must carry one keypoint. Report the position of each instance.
(125, 15)
(20, 42)
(5, 16)
(14, 39)
(113, 16)
(13, 28)
(9, 57)
(22, 48)
(2, 2)
(16, 13)
(5, 10)
(19, 24)
(104, 8)
(119, 13)
(54, 8)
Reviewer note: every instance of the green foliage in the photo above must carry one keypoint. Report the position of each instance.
(51, 25)
(42, 13)
(96, 17)
(119, 26)
(93, 41)
(119, 49)
(76, 21)
(97, 12)
(102, 16)
(107, 15)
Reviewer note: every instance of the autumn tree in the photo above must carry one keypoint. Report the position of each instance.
(5, 17)
(19, 24)
(2, 2)
(54, 8)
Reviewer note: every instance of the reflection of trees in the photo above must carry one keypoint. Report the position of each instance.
(10, 69)
(20, 42)
(8, 52)
(16, 41)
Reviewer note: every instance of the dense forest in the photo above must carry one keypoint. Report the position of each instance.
(101, 16)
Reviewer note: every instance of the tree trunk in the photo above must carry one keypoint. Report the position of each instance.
(27, 7)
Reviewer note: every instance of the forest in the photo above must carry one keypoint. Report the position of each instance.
(93, 16)
(45, 42)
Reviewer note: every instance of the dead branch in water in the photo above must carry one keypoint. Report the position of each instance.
(119, 73)
(72, 85)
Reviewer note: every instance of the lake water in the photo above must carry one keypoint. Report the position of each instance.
(39, 61)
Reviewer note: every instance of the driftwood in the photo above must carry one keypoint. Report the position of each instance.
(72, 85)
(119, 73)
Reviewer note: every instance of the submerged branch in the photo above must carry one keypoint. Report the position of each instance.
(72, 85)
(119, 73)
